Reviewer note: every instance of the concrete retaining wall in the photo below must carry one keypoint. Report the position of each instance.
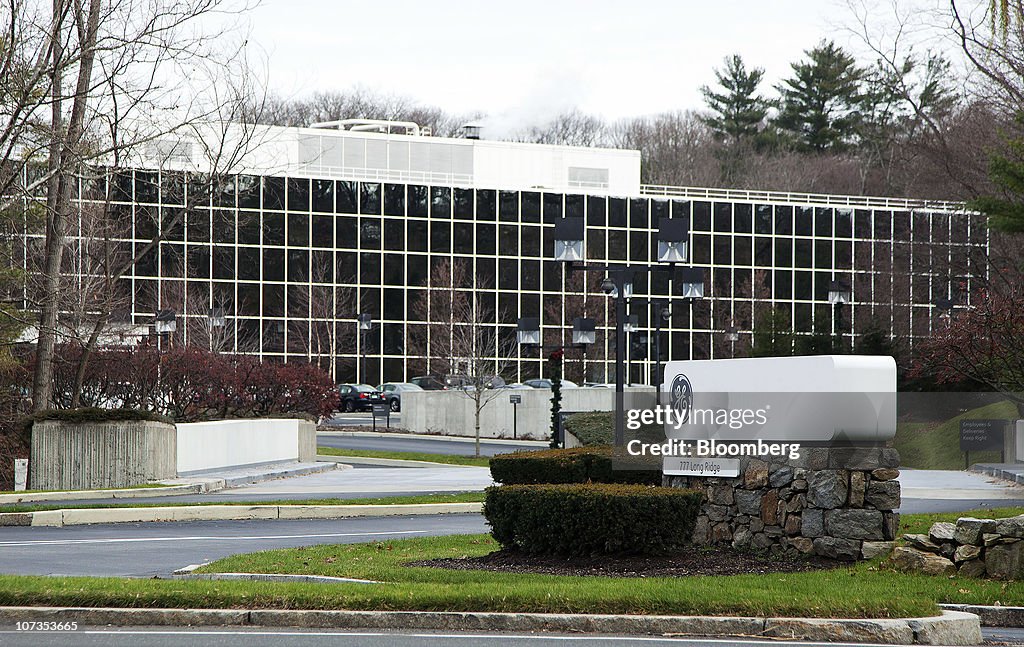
(232, 443)
(451, 412)
(120, 454)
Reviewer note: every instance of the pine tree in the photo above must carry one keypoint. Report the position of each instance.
(1006, 211)
(819, 105)
(737, 110)
(773, 335)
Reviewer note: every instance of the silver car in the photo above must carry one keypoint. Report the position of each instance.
(393, 393)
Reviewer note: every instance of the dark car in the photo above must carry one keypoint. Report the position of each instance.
(359, 397)
(393, 392)
(429, 382)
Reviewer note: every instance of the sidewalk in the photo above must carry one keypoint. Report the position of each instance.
(540, 444)
(211, 481)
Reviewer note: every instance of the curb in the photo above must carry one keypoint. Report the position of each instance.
(196, 484)
(950, 628)
(385, 462)
(458, 439)
(991, 616)
(82, 516)
(997, 472)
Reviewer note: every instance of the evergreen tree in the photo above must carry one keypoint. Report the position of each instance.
(1006, 211)
(819, 104)
(773, 335)
(737, 110)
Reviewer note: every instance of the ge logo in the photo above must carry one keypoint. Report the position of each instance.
(682, 397)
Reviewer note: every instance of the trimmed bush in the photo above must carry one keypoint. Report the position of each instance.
(597, 428)
(592, 428)
(91, 414)
(591, 519)
(576, 465)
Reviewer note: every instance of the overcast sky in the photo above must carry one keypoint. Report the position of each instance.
(613, 58)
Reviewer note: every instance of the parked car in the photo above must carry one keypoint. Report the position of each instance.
(428, 382)
(393, 393)
(546, 384)
(359, 397)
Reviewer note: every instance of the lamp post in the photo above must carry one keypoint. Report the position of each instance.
(661, 313)
(838, 295)
(945, 307)
(215, 320)
(672, 248)
(165, 324)
(732, 336)
(630, 326)
(365, 323)
(584, 333)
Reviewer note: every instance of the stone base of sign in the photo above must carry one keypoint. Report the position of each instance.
(836, 502)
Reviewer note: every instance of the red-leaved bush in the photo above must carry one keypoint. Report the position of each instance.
(190, 384)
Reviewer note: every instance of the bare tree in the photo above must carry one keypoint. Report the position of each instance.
(462, 337)
(108, 76)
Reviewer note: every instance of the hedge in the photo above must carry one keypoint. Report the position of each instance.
(597, 428)
(576, 465)
(91, 414)
(591, 519)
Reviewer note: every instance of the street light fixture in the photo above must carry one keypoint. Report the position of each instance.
(165, 325)
(528, 331)
(584, 331)
(838, 295)
(691, 280)
(365, 322)
(216, 318)
(672, 237)
(569, 240)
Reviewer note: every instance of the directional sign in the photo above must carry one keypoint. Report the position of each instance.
(515, 399)
(981, 435)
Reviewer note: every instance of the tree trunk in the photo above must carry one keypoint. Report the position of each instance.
(58, 199)
(476, 423)
(83, 361)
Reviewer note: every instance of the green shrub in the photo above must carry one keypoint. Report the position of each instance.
(591, 519)
(576, 465)
(91, 414)
(592, 428)
(597, 428)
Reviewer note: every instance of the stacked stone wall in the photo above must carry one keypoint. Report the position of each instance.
(837, 502)
(991, 548)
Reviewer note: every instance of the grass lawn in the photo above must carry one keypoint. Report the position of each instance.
(447, 459)
(861, 590)
(936, 446)
(460, 497)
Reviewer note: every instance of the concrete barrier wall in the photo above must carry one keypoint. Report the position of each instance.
(68, 456)
(234, 443)
(451, 412)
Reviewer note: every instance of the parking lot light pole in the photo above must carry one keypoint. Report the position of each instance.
(838, 295)
(365, 323)
(672, 248)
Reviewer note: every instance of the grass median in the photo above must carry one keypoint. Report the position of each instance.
(447, 459)
(866, 590)
(457, 497)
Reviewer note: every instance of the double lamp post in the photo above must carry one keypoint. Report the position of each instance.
(673, 235)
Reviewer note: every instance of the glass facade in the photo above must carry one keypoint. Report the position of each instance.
(293, 260)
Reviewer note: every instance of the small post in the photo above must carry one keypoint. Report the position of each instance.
(515, 400)
(20, 474)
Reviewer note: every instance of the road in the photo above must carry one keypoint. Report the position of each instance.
(357, 483)
(283, 637)
(430, 444)
(148, 549)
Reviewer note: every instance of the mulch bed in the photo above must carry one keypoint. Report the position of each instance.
(689, 561)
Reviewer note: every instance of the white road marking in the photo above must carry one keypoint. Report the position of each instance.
(125, 540)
